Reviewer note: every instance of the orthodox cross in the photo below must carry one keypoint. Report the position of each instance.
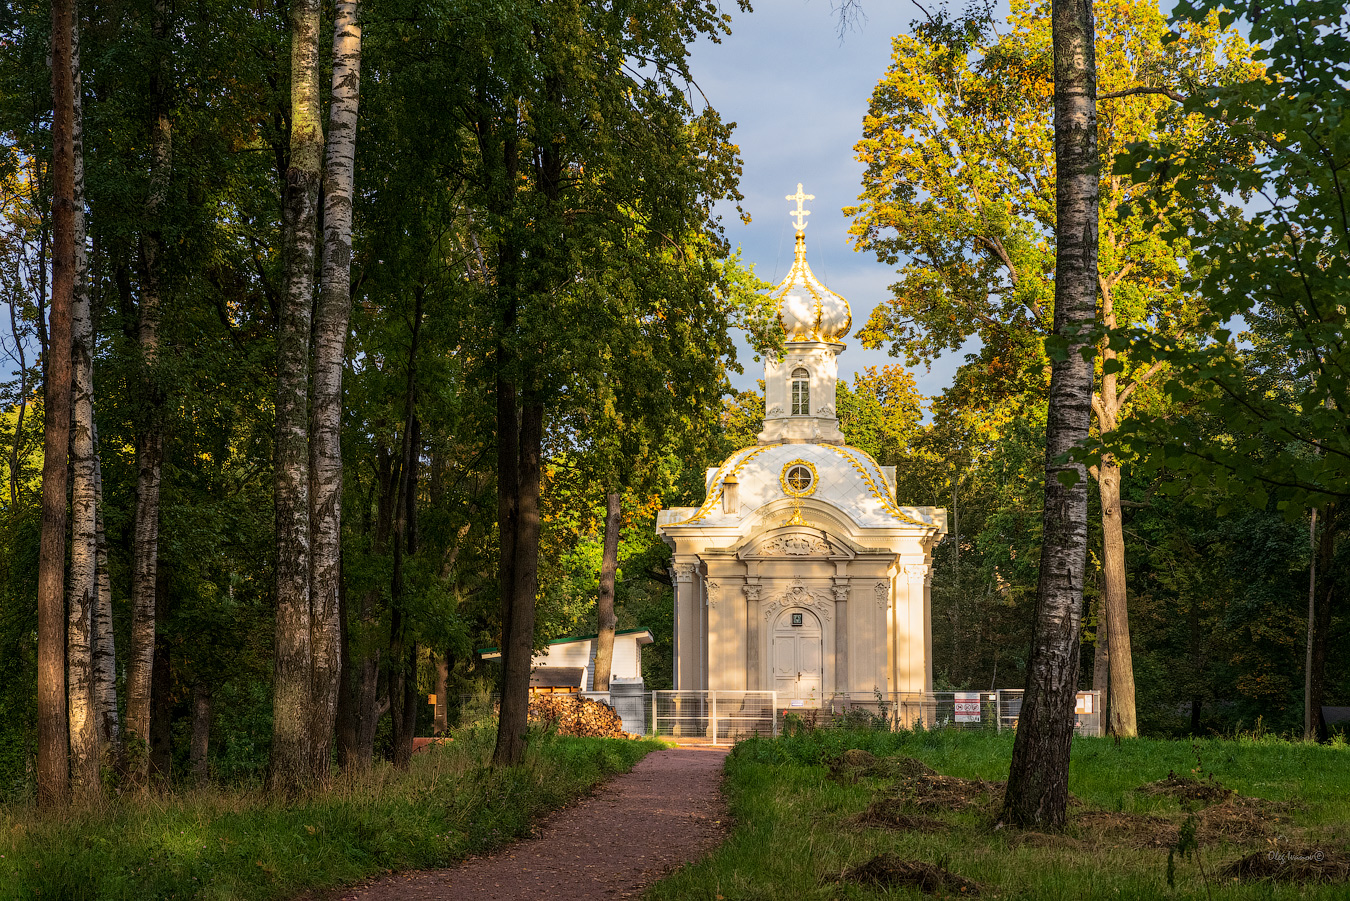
(801, 212)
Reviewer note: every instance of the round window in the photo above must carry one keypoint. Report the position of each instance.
(799, 479)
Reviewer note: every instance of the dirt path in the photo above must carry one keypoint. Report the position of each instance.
(633, 830)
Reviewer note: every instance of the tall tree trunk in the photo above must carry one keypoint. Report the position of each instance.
(150, 434)
(518, 643)
(330, 346)
(348, 718)
(1038, 779)
(442, 686)
(292, 748)
(403, 677)
(199, 753)
(16, 449)
(53, 758)
(604, 604)
(83, 588)
(1320, 589)
(1101, 655)
(105, 652)
(368, 666)
(161, 689)
(1121, 713)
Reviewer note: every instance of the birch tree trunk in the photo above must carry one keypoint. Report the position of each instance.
(292, 748)
(604, 604)
(331, 319)
(1038, 779)
(83, 587)
(105, 652)
(52, 750)
(150, 435)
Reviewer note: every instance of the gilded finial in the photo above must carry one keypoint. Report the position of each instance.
(801, 212)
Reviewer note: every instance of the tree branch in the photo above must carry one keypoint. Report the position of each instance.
(1144, 89)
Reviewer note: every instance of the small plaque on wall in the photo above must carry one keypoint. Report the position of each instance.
(796, 619)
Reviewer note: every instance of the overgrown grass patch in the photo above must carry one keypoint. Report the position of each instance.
(801, 824)
(220, 844)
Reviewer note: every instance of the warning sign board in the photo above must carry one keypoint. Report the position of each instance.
(967, 706)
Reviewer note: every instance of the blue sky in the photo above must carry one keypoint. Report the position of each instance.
(798, 94)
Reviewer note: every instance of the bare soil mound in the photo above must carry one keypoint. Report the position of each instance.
(851, 761)
(572, 715)
(887, 814)
(898, 767)
(1303, 865)
(932, 791)
(1187, 788)
(1239, 820)
(888, 871)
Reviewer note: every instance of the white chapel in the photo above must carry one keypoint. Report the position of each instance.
(801, 572)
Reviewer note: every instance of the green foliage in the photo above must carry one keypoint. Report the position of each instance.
(217, 844)
(1259, 394)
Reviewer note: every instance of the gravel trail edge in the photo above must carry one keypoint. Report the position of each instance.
(634, 829)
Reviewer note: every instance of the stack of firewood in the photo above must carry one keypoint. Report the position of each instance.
(572, 715)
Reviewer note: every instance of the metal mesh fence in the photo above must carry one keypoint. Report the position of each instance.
(715, 716)
(726, 716)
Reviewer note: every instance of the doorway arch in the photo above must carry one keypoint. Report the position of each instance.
(798, 657)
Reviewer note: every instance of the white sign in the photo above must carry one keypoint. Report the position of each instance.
(967, 706)
(1084, 702)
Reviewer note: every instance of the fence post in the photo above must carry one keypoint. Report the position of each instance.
(773, 712)
(712, 719)
(998, 709)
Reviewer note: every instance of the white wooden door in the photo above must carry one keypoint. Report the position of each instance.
(798, 661)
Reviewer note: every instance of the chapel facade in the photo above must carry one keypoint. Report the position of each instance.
(800, 572)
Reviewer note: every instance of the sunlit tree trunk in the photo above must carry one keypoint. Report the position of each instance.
(150, 434)
(604, 604)
(83, 588)
(105, 652)
(1115, 596)
(1038, 779)
(292, 747)
(53, 760)
(330, 342)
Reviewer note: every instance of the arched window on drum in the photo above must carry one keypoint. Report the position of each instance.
(801, 392)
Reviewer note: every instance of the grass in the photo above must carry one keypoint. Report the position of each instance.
(795, 833)
(218, 844)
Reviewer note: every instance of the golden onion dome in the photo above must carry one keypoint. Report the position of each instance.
(807, 310)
